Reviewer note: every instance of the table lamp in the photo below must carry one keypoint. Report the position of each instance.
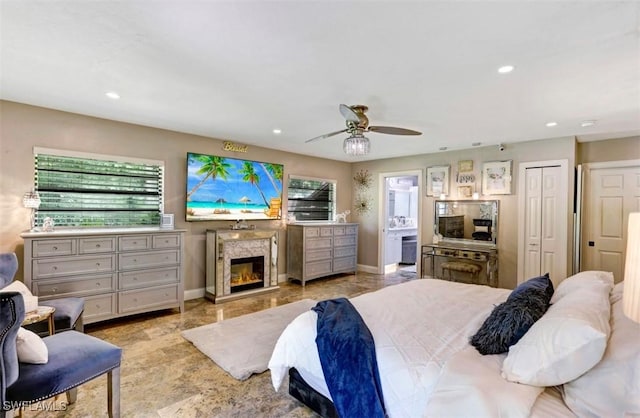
(31, 200)
(631, 292)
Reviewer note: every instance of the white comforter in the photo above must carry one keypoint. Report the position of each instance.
(419, 327)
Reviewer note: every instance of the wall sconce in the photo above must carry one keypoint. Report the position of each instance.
(31, 200)
(631, 292)
(443, 196)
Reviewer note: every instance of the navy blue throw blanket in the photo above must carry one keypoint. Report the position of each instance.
(348, 359)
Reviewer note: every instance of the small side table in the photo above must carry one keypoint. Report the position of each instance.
(41, 314)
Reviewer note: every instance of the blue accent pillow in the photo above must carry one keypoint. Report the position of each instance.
(510, 320)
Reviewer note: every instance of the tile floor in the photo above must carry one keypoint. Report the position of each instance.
(163, 375)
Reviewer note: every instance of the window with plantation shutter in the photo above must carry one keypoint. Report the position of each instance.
(311, 199)
(86, 190)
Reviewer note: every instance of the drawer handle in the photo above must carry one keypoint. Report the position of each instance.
(97, 245)
(97, 264)
(54, 290)
(135, 260)
(135, 299)
(98, 284)
(55, 248)
(55, 267)
(135, 242)
(166, 241)
(98, 306)
(135, 278)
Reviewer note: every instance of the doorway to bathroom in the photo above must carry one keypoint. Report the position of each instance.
(400, 221)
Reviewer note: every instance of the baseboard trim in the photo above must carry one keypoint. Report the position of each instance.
(194, 293)
(368, 269)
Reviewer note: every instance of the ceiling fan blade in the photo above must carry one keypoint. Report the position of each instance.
(348, 113)
(391, 130)
(317, 138)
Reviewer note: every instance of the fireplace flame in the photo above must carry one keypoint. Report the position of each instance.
(245, 276)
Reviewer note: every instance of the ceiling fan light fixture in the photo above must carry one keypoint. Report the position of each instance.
(356, 145)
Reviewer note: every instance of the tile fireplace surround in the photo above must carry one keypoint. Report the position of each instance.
(225, 245)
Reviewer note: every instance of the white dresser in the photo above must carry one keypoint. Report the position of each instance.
(118, 272)
(318, 250)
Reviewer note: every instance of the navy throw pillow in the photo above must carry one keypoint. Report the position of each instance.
(510, 320)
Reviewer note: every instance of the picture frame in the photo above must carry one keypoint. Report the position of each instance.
(465, 192)
(438, 180)
(496, 177)
(465, 166)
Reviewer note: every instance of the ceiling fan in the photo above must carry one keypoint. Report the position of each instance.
(357, 125)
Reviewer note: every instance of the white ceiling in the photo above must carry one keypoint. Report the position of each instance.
(238, 69)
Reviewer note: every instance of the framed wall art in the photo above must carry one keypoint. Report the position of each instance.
(437, 180)
(465, 166)
(465, 192)
(496, 177)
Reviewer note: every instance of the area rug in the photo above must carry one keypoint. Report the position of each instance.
(242, 346)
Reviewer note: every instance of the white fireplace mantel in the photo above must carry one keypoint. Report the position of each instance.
(224, 245)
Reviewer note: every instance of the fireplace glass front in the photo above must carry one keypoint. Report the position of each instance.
(247, 273)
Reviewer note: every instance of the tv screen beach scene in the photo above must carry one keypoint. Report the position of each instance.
(223, 188)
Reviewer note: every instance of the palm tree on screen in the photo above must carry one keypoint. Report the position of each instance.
(250, 176)
(212, 167)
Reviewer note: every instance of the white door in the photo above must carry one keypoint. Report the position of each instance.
(610, 194)
(543, 212)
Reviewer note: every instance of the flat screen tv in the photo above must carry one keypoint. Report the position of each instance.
(223, 188)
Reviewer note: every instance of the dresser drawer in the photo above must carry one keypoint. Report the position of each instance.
(141, 299)
(142, 278)
(445, 252)
(344, 252)
(339, 230)
(319, 243)
(99, 307)
(311, 232)
(473, 255)
(349, 240)
(344, 264)
(326, 231)
(165, 241)
(96, 245)
(56, 267)
(134, 243)
(318, 268)
(79, 286)
(316, 255)
(129, 261)
(352, 230)
(54, 247)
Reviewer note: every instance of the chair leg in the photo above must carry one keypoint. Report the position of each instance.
(79, 325)
(72, 395)
(113, 393)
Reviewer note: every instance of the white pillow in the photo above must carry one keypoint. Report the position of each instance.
(30, 301)
(579, 281)
(569, 339)
(612, 387)
(31, 348)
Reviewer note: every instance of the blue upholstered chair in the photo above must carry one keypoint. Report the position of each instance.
(74, 358)
(68, 313)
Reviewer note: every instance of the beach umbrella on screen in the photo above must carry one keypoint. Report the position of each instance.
(245, 199)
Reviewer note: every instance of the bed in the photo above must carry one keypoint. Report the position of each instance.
(580, 358)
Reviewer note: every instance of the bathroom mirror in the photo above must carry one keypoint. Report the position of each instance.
(469, 221)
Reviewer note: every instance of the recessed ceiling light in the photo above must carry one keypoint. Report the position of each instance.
(586, 123)
(505, 69)
(551, 124)
(277, 131)
(443, 148)
(476, 144)
(112, 95)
